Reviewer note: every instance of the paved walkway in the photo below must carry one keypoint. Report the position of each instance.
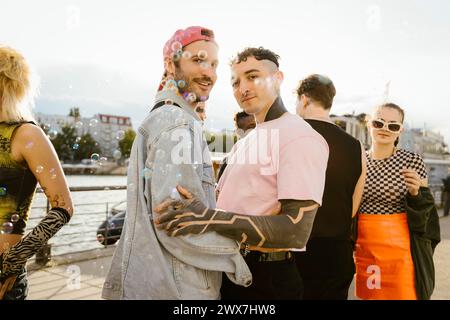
(83, 279)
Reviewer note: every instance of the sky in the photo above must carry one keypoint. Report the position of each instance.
(106, 56)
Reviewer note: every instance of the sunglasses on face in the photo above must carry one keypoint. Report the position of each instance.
(391, 126)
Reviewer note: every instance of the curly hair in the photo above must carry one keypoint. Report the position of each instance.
(259, 53)
(15, 86)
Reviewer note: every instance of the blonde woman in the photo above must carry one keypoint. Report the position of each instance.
(394, 202)
(26, 157)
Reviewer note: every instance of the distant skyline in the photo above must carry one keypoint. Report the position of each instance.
(106, 56)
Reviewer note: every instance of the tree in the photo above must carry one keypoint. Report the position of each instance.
(64, 141)
(74, 112)
(85, 147)
(126, 143)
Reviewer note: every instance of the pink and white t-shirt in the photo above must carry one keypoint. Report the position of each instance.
(283, 158)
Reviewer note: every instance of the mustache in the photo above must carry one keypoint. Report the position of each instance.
(203, 79)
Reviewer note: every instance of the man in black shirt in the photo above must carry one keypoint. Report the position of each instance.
(327, 265)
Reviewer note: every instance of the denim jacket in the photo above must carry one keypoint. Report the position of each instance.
(170, 149)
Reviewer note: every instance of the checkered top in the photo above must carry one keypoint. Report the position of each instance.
(385, 188)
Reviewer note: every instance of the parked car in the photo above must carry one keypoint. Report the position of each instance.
(110, 230)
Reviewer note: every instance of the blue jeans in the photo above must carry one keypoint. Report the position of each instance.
(20, 288)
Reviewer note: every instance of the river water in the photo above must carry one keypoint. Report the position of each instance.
(90, 211)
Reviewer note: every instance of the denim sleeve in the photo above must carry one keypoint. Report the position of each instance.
(175, 157)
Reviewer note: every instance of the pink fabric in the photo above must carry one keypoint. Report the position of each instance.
(280, 159)
(183, 37)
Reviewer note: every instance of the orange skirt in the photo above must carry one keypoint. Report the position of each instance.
(384, 266)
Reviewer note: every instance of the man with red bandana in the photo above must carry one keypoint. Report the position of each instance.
(170, 148)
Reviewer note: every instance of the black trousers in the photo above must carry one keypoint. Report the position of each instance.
(327, 269)
(272, 280)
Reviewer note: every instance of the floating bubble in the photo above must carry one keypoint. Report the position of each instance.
(196, 165)
(39, 169)
(102, 161)
(147, 173)
(52, 134)
(29, 145)
(160, 153)
(174, 194)
(203, 98)
(14, 218)
(3, 191)
(117, 154)
(77, 139)
(191, 97)
(78, 124)
(176, 46)
(187, 55)
(93, 122)
(112, 225)
(7, 227)
(100, 238)
(52, 172)
(202, 54)
(120, 135)
(259, 82)
(95, 157)
(177, 56)
(75, 146)
(181, 83)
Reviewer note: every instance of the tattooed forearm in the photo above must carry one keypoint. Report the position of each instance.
(290, 229)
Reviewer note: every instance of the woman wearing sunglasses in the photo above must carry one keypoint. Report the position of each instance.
(384, 265)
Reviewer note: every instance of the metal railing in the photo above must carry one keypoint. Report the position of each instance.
(81, 232)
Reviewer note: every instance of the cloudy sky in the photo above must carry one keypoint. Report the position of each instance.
(106, 56)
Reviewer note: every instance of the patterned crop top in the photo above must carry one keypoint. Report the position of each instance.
(17, 185)
(385, 188)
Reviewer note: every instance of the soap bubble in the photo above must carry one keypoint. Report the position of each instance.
(7, 227)
(174, 194)
(102, 161)
(117, 154)
(3, 191)
(52, 172)
(52, 134)
(95, 157)
(147, 173)
(120, 135)
(93, 122)
(39, 169)
(75, 146)
(202, 54)
(78, 124)
(14, 218)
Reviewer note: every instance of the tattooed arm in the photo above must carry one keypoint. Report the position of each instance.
(290, 229)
